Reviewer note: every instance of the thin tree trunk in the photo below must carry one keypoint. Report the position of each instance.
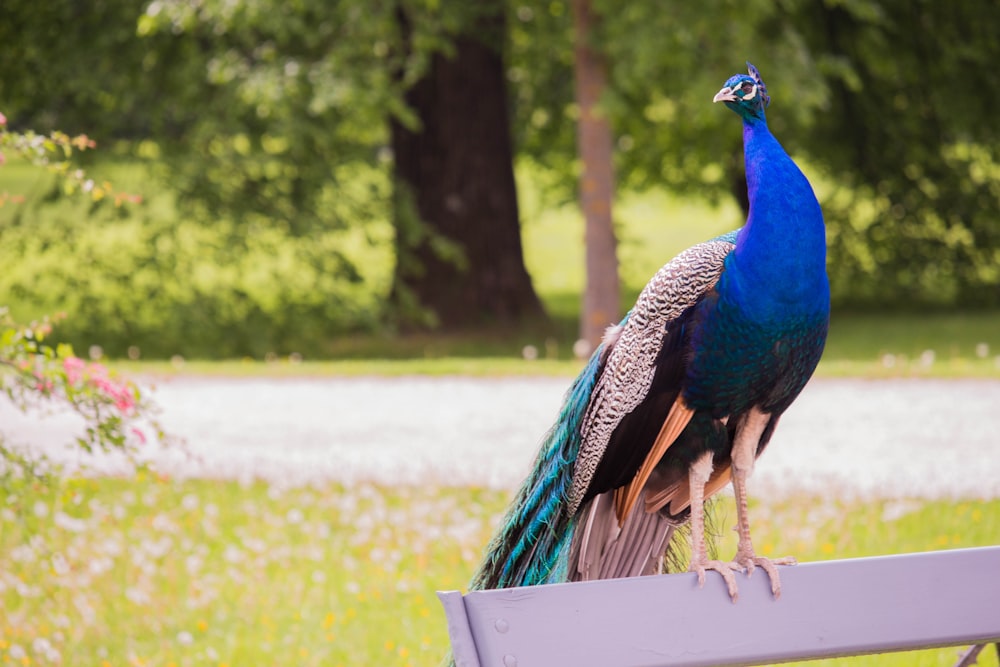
(458, 239)
(601, 298)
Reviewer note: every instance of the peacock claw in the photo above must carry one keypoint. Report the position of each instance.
(724, 569)
(769, 565)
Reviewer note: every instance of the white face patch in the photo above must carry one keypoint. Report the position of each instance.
(751, 94)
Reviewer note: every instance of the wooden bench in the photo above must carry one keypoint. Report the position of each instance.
(827, 609)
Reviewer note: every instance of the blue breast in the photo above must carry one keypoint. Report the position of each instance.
(757, 338)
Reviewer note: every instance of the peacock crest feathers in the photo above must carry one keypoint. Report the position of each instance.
(761, 88)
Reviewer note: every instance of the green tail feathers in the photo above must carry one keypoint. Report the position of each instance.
(532, 543)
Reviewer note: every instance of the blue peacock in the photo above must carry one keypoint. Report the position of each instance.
(684, 394)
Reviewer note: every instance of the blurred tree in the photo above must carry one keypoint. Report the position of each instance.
(601, 295)
(276, 108)
(889, 103)
(279, 96)
(458, 241)
(909, 136)
(79, 67)
(266, 114)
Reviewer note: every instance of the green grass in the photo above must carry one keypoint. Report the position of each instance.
(438, 366)
(867, 346)
(159, 572)
(933, 345)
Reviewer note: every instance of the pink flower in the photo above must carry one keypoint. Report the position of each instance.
(140, 436)
(124, 402)
(3, 120)
(118, 392)
(74, 367)
(42, 383)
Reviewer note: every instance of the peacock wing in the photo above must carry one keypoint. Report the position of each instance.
(647, 349)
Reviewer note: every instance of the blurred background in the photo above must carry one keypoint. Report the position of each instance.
(295, 208)
(334, 179)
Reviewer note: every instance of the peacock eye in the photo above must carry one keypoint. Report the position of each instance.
(747, 87)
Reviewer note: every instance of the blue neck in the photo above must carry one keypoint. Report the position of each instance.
(780, 255)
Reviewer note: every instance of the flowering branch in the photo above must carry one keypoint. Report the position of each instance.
(53, 152)
(31, 371)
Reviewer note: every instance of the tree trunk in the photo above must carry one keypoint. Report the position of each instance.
(602, 294)
(458, 242)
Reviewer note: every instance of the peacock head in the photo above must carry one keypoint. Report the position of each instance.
(745, 94)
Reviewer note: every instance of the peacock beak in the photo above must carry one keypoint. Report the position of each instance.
(725, 95)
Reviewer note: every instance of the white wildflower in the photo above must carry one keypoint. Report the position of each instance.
(59, 564)
(68, 523)
(193, 563)
(43, 647)
(233, 554)
(163, 523)
(136, 595)
(190, 502)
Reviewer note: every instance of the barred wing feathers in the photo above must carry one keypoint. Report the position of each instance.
(642, 350)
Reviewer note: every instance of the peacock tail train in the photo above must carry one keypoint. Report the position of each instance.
(530, 546)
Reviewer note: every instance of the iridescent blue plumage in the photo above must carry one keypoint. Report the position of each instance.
(684, 394)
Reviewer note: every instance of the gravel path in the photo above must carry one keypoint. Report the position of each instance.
(920, 438)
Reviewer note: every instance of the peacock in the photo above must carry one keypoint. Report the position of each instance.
(683, 395)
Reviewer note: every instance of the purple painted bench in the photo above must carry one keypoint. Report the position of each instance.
(827, 609)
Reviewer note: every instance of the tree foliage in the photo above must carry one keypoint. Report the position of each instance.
(287, 92)
(907, 136)
(888, 103)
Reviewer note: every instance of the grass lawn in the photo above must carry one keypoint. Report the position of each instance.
(158, 572)
(869, 346)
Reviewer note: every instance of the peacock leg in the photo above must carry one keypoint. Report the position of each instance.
(744, 452)
(698, 476)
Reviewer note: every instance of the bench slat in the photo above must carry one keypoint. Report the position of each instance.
(827, 609)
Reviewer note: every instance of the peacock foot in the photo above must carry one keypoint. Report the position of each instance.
(749, 561)
(723, 568)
